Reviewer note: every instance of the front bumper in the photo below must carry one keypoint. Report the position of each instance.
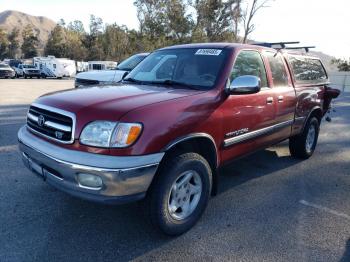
(125, 178)
(32, 73)
(7, 74)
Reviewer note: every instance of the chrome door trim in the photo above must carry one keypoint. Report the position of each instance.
(256, 133)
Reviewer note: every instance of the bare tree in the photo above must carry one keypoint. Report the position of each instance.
(248, 16)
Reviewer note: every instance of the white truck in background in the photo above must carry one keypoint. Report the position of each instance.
(96, 77)
(51, 66)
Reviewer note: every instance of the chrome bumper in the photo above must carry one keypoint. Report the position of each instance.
(125, 178)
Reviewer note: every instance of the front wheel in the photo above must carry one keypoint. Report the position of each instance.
(303, 145)
(180, 193)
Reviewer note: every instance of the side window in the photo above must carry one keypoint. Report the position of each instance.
(307, 70)
(278, 69)
(249, 63)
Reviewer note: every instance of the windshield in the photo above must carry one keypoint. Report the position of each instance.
(131, 62)
(4, 66)
(189, 67)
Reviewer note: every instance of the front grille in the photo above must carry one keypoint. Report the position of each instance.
(51, 123)
(81, 81)
(33, 71)
(5, 72)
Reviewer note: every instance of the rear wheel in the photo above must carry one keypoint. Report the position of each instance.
(303, 145)
(180, 193)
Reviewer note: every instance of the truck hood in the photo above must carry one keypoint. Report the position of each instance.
(110, 102)
(6, 69)
(102, 76)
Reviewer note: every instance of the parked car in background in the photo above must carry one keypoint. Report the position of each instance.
(6, 71)
(165, 131)
(109, 76)
(27, 71)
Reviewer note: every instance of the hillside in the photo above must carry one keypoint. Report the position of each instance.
(13, 19)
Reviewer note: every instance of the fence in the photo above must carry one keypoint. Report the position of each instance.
(340, 80)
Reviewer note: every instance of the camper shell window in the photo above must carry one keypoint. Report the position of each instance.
(307, 70)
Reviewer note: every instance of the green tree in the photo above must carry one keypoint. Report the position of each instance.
(92, 41)
(342, 64)
(56, 44)
(153, 22)
(4, 43)
(13, 46)
(30, 42)
(76, 26)
(179, 22)
(75, 48)
(214, 20)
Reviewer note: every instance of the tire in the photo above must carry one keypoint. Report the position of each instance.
(163, 197)
(303, 146)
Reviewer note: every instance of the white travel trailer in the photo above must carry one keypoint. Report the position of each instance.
(82, 66)
(102, 65)
(51, 66)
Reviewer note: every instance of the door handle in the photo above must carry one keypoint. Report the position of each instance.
(280, 99)
(269, 100)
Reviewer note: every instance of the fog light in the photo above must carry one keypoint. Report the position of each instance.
(89, 180)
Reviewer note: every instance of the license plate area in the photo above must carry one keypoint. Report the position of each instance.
(33, 166)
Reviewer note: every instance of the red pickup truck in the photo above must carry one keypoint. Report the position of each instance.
(165, 130)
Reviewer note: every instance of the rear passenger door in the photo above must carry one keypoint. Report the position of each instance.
(284, 93)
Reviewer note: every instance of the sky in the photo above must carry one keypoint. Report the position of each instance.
(322, 23)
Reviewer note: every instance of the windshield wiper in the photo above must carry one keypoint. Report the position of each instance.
(133, 80)
(171, 82)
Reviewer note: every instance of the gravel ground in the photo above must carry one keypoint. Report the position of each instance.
(270, 207)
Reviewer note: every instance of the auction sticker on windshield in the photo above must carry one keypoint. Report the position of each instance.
(208, 52)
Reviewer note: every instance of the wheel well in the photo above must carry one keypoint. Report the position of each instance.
(316, 113)
(201, 145)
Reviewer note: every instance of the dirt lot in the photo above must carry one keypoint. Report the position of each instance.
(270, 207)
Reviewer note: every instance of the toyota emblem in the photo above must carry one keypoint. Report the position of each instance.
(41, 120)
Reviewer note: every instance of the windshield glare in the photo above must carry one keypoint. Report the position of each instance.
(192, 67)
(4, 66)
(130, 63)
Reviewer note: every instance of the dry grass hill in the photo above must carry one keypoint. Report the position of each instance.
(13, 19)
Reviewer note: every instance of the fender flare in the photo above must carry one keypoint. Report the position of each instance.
(309, 115)
(194, 136)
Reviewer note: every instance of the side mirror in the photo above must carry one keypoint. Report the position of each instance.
(242, 85)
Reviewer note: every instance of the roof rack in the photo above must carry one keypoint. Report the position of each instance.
(283, 45)
(306, 48)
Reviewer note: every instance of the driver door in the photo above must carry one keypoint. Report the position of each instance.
(248, 119)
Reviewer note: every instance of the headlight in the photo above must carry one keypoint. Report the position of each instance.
(110, 134)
